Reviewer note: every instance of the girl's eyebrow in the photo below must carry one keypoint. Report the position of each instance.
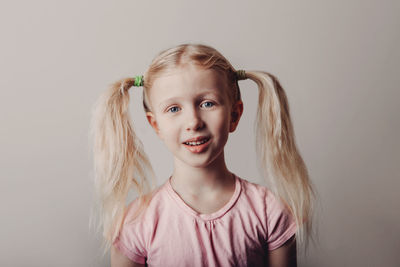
(214, 93)
(168, 100)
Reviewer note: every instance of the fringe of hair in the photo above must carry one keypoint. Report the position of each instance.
(120, 162)
(277, 154)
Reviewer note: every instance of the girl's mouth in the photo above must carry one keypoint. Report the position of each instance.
(196, 143)
(197, 146)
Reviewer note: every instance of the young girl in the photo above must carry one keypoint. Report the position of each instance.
(203, 215)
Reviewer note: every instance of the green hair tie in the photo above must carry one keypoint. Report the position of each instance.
(241, 75)
(138, 80)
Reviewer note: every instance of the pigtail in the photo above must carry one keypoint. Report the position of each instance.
(277, 153)
(120, 162)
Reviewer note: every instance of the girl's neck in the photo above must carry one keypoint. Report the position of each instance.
(202, 181)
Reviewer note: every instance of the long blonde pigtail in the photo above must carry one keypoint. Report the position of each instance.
(120, 162)
(278, 156)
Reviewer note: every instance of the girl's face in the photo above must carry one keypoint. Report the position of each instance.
(192, 114)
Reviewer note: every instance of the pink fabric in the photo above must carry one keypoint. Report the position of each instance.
(170, 233)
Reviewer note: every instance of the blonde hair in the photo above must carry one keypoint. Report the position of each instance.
(121, 164)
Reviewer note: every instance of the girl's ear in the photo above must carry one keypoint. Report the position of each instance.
(236, 113)
(152, 120)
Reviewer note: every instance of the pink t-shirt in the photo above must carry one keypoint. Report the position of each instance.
(170, 233)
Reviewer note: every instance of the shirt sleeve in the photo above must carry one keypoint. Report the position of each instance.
(131, 239)
(280, 223)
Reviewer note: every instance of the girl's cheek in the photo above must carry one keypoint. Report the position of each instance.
(167, 126)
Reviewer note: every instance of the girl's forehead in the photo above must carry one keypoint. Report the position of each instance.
(188, 77)
(189, 70)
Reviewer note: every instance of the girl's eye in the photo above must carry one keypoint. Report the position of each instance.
(173, 109)
(207, 104)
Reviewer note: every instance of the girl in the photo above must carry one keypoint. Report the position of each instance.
(203, 215)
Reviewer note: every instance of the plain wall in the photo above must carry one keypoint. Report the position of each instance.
(337, 60)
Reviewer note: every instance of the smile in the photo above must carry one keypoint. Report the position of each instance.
(196, 143)
(197, 146)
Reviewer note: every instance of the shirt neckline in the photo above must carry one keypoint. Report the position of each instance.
(202, 216)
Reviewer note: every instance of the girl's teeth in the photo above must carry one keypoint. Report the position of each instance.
(196, 143)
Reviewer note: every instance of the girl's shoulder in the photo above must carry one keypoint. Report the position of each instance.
(255, 188)
(280, 224)
(259, 192)
(143, 207)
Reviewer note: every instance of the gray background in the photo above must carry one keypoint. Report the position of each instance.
(337, 60)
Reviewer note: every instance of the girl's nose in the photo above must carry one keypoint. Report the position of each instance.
(194, 121)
